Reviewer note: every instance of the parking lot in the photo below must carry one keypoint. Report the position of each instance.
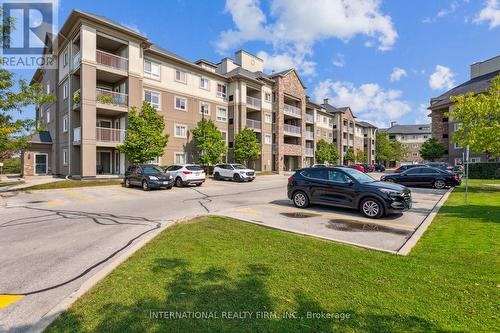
(53, 241)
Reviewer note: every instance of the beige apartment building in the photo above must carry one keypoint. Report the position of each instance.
(105, 69)
(411, 137)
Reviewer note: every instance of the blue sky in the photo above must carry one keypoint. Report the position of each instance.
(345, 53)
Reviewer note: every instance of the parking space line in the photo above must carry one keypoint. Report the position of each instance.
(77, 196)
(248, 210)
(52, 203)
(6, 300)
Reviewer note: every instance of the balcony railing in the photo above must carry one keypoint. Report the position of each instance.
(309, 151)
(77, 58)
(254, 124)
(111, 97)
(344, 128)
(291, 129)
(292, 110)
(77, 135)
(309, 135)
(110, 135)
(344, 141)
(253, 102)
(111, 60)
(309, 118)
(351, 142)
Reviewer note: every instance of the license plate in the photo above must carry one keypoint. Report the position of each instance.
(197, 174)
(164, 183)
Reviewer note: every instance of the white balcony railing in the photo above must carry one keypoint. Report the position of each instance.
(292, 110)
(309, 135)
(111, 60)
(77, 135)
(309, 151)
(351, 142)
(111, 97)
(309, 118)
(344, 141)
(291, 129)
(110, 135)
(76, 60)
(344, 128)
(254, 124)
(253, 102)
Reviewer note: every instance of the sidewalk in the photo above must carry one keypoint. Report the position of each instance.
(28, 181)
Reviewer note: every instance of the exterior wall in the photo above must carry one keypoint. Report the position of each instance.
(28, 159)
(440, 129)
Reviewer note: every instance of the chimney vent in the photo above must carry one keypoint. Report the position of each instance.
(393, 123)
(325, 101)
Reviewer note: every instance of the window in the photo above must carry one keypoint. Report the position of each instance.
(445, 136)
(180, 103)
(324, 120)
(330, 135)
(445, 119)
(221, 114)
(180, 158)
(205, 108)
(414, 145)
(268, 118)
(415, 154)
(65, 156)
(204, 83)
(224, 135)
(456, 126)
(267, 97)
(151, 69)
(180, 76)
(48, 116)
(268, 139)
(65, 123)
(48, 87)
(318, 132)
(221, 90)
(475, 159)
(65, 90)
(330, 122)
(318, 118)
(426, 136)
(153, 98)
(457, 146)
(180, 131)
(65, 59)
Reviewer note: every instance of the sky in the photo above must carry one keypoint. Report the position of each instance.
(384, 59)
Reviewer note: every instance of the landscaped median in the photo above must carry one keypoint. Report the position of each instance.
(242, 277)
(69, 183)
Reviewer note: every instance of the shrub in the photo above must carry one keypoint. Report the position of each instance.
(486, 170)
(11, 165)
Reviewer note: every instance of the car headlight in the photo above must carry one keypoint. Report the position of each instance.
(169, 177)
(242, 172)
(153, 178)
(390, 192)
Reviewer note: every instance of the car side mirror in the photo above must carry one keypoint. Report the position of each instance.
(350, 182)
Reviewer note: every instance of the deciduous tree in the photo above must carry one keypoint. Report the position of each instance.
(246, 146)
(349, 156)
(431, 150)
(361, 156)
(209, 142)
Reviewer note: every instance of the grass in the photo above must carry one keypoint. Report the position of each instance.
(69, 183)
(450, 281)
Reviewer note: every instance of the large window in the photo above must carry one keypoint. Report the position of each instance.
(180, 158)
(65, 90)
(65, 123)
(153, 98)
(268, 118)
(267, 97)
(221, 114)
(180, 131)
(268, 139)
(205, 108)
(180, 76)
(204, 83)
(221, 90)
(65, 157)
(180, 103)
(151, 69)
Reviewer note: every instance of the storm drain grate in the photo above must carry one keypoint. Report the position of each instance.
(356, 226)
(299, 215)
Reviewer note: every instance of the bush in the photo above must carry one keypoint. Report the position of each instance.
(486, 170)
(11, 165)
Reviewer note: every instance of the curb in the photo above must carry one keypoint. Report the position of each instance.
(410, 242)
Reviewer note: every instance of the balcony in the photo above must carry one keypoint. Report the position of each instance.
(309, 151)
(344, 141)
(107, 99)
(112, 61)
(77, 135)
(292, 111)
(254, 124)
(309, 135)
(253, 102)
(77, 59)
(344, 128)
(309, 118)
(292, 130)
(351, 142)
(109, 136)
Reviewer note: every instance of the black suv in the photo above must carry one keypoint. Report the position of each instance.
(148, 177)
(350, 188)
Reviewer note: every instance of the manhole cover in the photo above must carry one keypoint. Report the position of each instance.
(299, 215)
(355, 226)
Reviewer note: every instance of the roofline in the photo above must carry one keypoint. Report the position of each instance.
(253, 55)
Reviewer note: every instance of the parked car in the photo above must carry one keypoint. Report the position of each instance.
(368, 167)
(186, 174)
(357, 167)
(440, 165)
(424, 176)
(346, 187)
(379, 167)
(148, 176)
(319, 165)
(408, 166)
(236, 172)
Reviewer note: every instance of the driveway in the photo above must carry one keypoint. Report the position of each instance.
(52, 241)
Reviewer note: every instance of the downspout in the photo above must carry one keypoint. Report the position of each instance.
(70, 96)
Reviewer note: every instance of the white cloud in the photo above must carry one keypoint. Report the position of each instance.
(441, 78)
(421, 114)
(442, 13)
(294, 26)
(279, 62)
(338, 60)
(368, 101)
(397, 74)
(490, 13)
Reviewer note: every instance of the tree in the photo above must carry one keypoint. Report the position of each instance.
(383, 148)
(334, 154)
(209, 142)
(349, 156)
(326, 152)
(431, 150)
(398, 151)
(479, 116)
(145, 139)
(361, 156)
(246, 146)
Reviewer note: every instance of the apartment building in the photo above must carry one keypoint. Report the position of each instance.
(481, 74)
(411, 137)
(105, 69)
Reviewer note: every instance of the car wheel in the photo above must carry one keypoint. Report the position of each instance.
(198, 184)
(250, 180)
(145, 185)
(439, 184)
(389, 180)
(371, 208)
(169, 187)
(300, 199)
(178, 182)
(237, 177)
(216, 176)
(127, 182)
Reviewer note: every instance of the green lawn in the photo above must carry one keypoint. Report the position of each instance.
(69, 183)
(450, 282)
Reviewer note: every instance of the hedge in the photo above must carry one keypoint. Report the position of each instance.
(486, 170)
(11, 165)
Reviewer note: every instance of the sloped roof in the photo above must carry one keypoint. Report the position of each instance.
(285, 73)
(41, 137)
(365, 124)
(408, 129)
(476, 85)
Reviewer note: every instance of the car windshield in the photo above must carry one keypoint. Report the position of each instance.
(239, 166)
(358, 175)
(151, 169)
(194, 168)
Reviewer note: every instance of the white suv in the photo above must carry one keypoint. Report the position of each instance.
(236, 172)
(185, 174)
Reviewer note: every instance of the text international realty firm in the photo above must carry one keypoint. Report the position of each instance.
(246, 315)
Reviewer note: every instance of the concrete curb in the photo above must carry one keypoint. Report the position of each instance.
(410, 242)
(62, 306)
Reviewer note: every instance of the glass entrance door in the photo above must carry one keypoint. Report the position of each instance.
(41, 164)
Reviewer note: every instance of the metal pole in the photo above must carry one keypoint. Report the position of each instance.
(466, 173)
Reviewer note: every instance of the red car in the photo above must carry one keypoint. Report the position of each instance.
(357, 167)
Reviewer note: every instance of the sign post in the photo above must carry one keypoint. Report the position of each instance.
(466, 172)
